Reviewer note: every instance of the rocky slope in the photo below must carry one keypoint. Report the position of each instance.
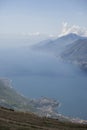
(13, 120)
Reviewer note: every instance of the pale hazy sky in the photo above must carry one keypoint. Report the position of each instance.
(34, 17)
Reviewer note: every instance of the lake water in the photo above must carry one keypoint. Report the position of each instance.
(36, 74)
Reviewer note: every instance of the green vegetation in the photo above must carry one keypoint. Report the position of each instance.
(11, 99)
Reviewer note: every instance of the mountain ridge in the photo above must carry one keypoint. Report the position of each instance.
(67, 47)
(77, 53)
(58, 45)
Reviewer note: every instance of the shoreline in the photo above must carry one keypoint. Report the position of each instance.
(46, 107)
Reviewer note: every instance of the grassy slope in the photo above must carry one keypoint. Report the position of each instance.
(13, 120)
(9, 97)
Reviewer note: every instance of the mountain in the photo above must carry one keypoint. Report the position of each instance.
(71, 47)
(77, 53)
(14, 120)
(58, 45)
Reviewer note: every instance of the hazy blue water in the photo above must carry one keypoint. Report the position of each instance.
(35, 74)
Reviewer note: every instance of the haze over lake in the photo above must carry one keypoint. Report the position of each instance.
(36, 74)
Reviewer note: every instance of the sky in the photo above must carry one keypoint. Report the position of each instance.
(42, 17)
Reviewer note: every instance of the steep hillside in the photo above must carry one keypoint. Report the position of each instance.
(11, 99)
(77, 53)
(58, 45)
(13, 120)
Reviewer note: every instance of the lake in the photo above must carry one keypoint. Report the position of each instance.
(36, 74)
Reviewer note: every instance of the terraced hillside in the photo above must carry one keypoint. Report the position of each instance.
(13, 120)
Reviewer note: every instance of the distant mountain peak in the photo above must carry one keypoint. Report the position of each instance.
(71, 35)
(74, 34)
(57, 46)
